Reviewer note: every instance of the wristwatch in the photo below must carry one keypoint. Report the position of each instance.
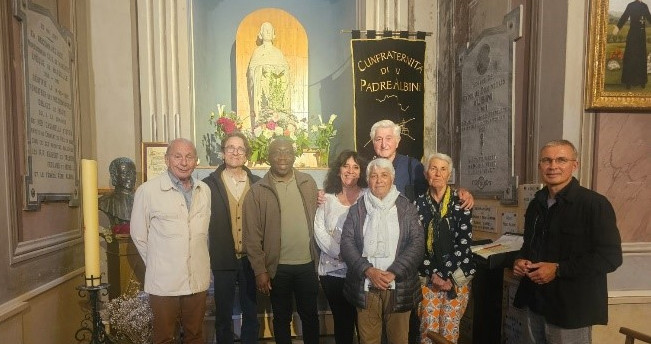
(558, 270)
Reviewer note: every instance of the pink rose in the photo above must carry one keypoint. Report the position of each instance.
(227, 124)
(271, 125)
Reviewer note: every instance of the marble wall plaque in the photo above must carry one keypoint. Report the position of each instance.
(527, 192)
(484, 218)
(510, 222)
(486, 154)
(51, 147)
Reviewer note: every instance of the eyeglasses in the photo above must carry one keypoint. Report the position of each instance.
(559, 161)
(233, 150)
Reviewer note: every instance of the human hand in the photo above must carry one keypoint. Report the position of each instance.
(380, 279)
(542, 273)
(263, 283)
(615, 30)
(320, 198)
(439, 283)
(521, 267)
(467, 200)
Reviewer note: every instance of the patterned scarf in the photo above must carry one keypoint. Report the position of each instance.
(434, 225)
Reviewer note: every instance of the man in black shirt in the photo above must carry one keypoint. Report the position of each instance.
(571, 242)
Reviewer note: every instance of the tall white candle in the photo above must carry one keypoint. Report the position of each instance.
(91, 221)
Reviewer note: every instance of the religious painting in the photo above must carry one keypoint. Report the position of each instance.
(619, 56)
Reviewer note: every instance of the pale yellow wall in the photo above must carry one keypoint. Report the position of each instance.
(114, 83)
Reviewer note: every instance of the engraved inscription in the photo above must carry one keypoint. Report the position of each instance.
(484, 218)
(485, 126)
(51, 144)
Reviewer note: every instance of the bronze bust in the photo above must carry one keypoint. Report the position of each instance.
(117, 205)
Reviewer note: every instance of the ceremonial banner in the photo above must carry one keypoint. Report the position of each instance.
(388, 83)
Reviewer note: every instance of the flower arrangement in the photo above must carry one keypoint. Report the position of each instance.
(225, 122)
(273, 123)
(130, 316)
(323, 132)
(273, 126)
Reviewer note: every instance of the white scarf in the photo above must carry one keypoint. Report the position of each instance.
(375, 226)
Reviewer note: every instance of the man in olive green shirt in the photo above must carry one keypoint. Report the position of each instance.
(279, 241)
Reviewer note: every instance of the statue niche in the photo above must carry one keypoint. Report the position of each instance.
(271, 68)
(268, 78)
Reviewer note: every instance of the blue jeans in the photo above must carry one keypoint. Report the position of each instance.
(299, 282)
(225, 283)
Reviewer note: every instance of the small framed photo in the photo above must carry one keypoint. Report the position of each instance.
(153, 159)
(619, 56)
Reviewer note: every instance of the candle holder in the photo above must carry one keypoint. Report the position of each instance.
(92, 329)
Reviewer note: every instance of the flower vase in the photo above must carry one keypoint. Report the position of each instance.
(322, 157)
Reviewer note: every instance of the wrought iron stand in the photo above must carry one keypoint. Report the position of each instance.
(92, 329)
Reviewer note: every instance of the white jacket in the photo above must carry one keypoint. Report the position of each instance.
(172, 241)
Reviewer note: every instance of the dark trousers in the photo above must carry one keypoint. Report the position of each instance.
(344, 314)
(414, 327)
(301, 283)
(225, 283)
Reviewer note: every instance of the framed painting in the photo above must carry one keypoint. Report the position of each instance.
(153, 159)
(619, 56)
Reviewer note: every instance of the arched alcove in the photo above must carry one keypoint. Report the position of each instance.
(291, 39)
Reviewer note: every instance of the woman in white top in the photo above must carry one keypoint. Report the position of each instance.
(343, 186)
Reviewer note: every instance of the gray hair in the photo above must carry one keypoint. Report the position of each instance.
(385, 123)
(380, 163)
(555, 143)
(440, 156)
(181, 140)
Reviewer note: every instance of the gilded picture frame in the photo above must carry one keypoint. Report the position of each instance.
(153, 159)
(606, 88)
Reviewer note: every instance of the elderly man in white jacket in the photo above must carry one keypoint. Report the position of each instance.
(169, 226)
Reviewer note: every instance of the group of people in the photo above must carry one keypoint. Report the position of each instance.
(389, 242)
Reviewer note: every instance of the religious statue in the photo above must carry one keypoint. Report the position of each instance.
(268, 78)
(117, 204)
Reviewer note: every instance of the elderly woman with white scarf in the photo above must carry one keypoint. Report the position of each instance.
(382, 244)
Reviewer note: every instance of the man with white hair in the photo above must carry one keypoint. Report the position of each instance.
(169, 227)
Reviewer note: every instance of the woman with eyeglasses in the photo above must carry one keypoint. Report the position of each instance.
(228, 184)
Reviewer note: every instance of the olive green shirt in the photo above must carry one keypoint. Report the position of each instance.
(294, 233)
